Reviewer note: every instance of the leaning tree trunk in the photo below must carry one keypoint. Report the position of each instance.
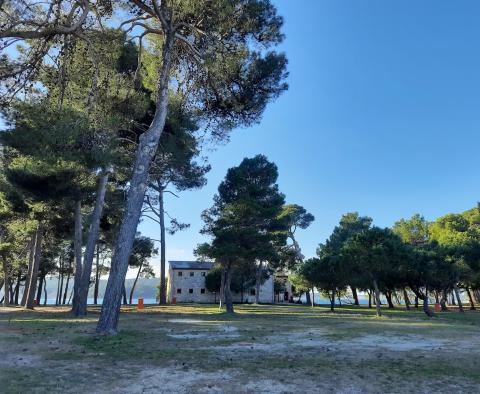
(135, 283)
(457, 295)
(470, 299)
(406, 299)
(32, 286)
(258, 278)
(388, 296)
(476, 295)
(79, 307)
(77, 245)
(163, 285)
(377, 298)
(108, 321)
(65, 293)
(228, 291)
(29, 271)
(355, 295)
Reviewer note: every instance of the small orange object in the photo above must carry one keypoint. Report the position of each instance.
(174, 300)
(140, 303)
(437, 308)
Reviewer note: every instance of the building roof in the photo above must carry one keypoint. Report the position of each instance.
(190, 265)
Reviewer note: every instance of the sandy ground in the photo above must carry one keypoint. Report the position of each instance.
(262, 349)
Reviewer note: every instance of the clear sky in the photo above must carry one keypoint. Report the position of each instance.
(382, 117)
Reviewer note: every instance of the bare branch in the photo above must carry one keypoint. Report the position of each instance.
(52, 29)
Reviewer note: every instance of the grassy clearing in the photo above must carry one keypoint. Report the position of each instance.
(270, 348)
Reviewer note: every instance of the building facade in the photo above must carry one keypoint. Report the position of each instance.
(186, 283)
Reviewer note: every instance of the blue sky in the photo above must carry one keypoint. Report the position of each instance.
(382, 117)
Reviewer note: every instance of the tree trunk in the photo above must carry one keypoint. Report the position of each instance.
(17, 288)
(163, 286)
(258, 278)
(77, 245)
(30, 268)
(426, 309)
(437, 299)
(369, 298)
(476, 295)
(388, 296)
(307, 297)
(135, 283)
(97, 276)
(32, 287)
(443, 301)
(228, 291)
(416, 302)
(62, 277)
(453, 298)
(45, 294)
(108, 321)
(395, 297)
(57, 298)
(41, 283)
(79, 307)
(470, 299)
(6, 285)
(406, 299)
(457, 295)
(355, 295)
(124, 294)
(222, 289)
(11, 290)
(332, 301)
(377, 298)
(313, 297)
(65, 293)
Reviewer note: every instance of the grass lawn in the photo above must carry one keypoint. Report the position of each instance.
(267, 349)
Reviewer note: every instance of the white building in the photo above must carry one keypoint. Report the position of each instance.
(186, 283)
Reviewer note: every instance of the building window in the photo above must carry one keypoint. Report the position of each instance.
(203, 273)
(190, 291)
(179, 291)
(202, 291)
(192, 273)
(252, 291)
(180, 273)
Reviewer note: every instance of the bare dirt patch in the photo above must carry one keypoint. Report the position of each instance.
(264, 349)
